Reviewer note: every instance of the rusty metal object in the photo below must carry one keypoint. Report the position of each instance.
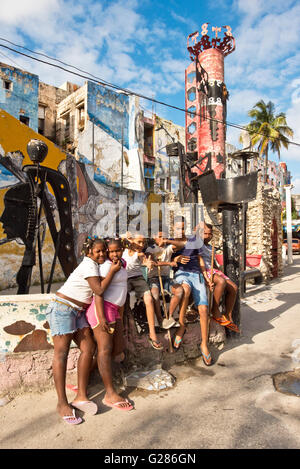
(225, 44)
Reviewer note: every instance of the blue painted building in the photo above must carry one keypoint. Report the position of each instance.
(19, 92)
(109, 111)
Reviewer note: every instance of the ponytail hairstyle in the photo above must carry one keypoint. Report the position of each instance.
(120, 242)
(90, 242)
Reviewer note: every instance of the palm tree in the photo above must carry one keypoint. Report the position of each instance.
(268, 131)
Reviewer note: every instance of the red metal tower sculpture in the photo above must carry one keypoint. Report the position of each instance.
(206, 98)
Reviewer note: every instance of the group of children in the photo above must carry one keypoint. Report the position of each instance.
(88, 308)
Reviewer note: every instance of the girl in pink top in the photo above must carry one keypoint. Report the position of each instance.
(107, 324)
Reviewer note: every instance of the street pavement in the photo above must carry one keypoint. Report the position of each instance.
(231, 405)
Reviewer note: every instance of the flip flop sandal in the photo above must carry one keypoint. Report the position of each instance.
(159, 346)
(233, 327)
(119, 405)
(206, 357)
(89, 407)
(72, 387)
(177, 342)
(72, 419)
(222, 321)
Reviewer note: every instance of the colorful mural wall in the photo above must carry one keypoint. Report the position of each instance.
(97, 208)
(19, 94)
(112, 141)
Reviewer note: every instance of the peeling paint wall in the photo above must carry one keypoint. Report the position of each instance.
(28, 331)
(19, 94)
(166, 167)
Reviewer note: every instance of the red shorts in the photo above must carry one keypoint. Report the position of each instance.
(218, 272)
(111, 313)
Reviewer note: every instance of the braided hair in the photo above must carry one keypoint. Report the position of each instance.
(90, 242)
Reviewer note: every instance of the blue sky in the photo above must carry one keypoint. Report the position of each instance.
(141, 45)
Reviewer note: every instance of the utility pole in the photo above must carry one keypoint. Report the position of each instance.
(288, 199)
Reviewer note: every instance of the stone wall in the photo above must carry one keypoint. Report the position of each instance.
(260, 215)
(26, 346)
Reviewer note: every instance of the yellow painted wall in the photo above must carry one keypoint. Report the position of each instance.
(14, 136)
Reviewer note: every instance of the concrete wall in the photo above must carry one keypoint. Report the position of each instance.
(165, 166)
(49, 98)
(22, 98)
(26, 346)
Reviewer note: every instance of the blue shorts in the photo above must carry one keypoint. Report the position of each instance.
(64, 318)
(166, 281)
(195, 281)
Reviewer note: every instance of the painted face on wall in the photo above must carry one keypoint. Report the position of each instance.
(14, 218)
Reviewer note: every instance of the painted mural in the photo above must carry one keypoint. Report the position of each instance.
(96, 208)
(111, 144)
(19, 94)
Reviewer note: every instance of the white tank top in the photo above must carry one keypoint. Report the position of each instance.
(133, 264)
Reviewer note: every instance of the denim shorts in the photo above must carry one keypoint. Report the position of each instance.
(166, 281)
(64, 318)
(195, 281)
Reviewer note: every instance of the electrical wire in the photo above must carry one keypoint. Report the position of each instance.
(117, 87)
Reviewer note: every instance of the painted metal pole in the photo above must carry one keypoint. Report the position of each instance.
(288, 199)
(231, 252)
(122, 150)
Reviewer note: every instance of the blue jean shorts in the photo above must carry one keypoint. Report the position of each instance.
(166, 281)
(64, 318)
(195, 281)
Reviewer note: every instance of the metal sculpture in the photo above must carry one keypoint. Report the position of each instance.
(228, 196)
(21, 217)
(206, 97)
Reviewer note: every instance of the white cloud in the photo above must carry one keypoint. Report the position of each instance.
(15, 12)
(296, 185)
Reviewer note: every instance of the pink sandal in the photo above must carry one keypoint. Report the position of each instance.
(72, 419)
(118, 405)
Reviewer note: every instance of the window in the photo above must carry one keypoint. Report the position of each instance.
(7, 85)
(191, 94)
(24, 120)
(191, 128)
(191, 77)
(149, 177)
(192, 112)
(67, 121)
(148, 140)
(192, 144)
(80, 116)
(41, 120)
(162, 183)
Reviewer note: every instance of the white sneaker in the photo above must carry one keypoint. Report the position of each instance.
(168, 323)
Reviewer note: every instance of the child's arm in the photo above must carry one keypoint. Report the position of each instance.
(146, 260)
(176, 244)
(99, 310)
(170, 263)
(98, 284)
(206, 277)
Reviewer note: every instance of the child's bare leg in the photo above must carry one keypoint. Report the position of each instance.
(156, 301)
(220, 285)
(118, 342)
(59, 367)
(104, 356)
(177, 293)
(203, 313)
(231, 293)
(183, 307)
(84, 340)
(150, 312)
